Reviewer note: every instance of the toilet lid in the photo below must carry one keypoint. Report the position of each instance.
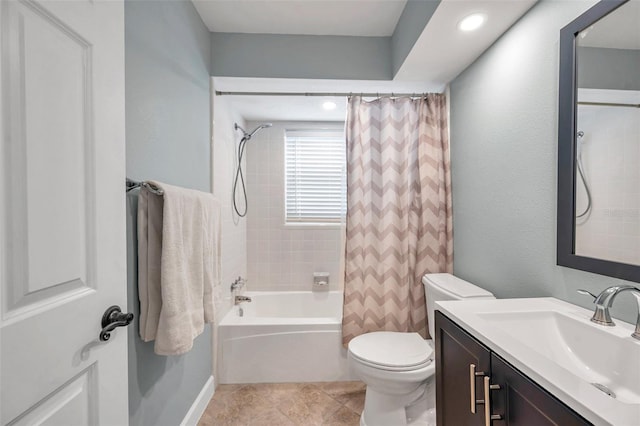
(391, 349)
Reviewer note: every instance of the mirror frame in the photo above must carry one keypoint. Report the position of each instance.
(567, 89)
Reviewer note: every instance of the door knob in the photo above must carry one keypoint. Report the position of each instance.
(113, 317)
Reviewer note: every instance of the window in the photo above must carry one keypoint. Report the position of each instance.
(315, 188)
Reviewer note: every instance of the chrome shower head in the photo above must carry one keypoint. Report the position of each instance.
(260, 127)
(247, 135)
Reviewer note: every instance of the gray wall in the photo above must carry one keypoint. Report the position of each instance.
(301, 56)
(415, 16)
(615, 69)
(167, 51)
(503, 156)
(321, 56)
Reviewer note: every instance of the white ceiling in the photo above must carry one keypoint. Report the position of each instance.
(285, 108)
(314, 17)
(443, 51)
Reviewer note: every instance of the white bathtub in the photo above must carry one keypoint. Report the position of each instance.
(292, 336)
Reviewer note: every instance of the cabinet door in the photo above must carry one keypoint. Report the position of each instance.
(456, 353)
(521, 402)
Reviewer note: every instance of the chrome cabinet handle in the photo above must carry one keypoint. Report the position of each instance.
(113, 318)
(472, 387)
(488, 387)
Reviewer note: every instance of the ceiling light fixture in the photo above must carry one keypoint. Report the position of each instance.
(472, 22)
(329, 105)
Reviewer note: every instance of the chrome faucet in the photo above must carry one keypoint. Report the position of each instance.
(603, 303)
(239, 299)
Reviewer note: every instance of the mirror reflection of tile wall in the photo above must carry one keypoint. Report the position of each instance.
(610, 151)
(608, 137)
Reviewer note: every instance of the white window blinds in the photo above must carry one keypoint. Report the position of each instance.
(315, 172)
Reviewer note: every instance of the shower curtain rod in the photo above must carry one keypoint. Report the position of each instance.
(611, 104)
(323, 94)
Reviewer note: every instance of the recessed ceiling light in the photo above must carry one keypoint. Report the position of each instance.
(329, 105)
(472, 22)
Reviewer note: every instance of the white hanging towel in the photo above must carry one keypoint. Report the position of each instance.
(178, 265)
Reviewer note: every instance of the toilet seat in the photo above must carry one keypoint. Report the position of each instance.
(386, 368)
(392, 351)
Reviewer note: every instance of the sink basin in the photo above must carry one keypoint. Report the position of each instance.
(587, 350)
(592, 368)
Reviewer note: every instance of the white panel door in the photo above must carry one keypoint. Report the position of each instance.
(62, 204)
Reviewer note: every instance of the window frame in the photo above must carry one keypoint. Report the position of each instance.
(311, 223)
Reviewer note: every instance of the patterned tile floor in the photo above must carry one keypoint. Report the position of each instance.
(286, 404)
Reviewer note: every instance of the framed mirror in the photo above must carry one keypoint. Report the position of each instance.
(599, 141)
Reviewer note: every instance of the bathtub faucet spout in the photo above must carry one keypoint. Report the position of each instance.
(240, 299)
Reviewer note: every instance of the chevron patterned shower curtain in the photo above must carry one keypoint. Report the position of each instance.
(399, 218)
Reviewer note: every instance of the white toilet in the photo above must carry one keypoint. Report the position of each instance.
(399, 368)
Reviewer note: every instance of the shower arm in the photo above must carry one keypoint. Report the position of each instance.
(236, 127)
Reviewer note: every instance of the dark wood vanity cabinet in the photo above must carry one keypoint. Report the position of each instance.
(465, 367)
(458, 356)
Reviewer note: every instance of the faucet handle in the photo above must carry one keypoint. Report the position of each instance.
(586, 293)
(238, 283)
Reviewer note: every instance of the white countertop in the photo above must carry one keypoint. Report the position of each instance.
(537, 363)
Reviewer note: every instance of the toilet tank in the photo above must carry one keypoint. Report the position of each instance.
(439, 287)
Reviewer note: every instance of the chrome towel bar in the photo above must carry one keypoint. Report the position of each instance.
(132, 184)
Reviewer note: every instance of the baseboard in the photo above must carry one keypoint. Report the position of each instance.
(200, 404)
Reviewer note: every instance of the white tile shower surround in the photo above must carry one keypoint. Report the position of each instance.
(234, 233)
(283, 257)
(611, 158)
